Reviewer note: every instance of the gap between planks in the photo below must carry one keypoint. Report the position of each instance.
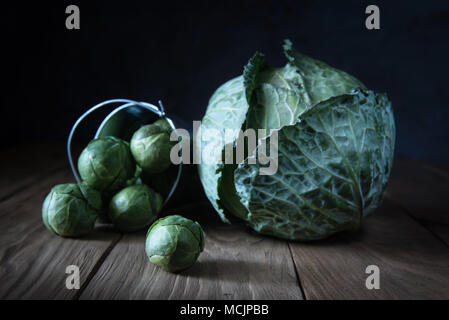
(412, 263)
(96, 267)
(236, 264)
(311, 283)
(32, 259)
(298, 278)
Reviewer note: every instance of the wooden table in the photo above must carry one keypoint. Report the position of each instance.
(408, 239)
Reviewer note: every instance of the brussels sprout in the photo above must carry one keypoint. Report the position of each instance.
(163, 123)
(103, 215)
(151, 145)
(174, 243)
(70, 210)
(134, 208)
(106, 164)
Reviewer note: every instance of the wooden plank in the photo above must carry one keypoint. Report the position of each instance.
(440, 230)
(421, 188)
(32, 259)
(413, 263)
(236, 264)
(23, 165)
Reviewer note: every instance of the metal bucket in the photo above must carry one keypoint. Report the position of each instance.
(122, 122)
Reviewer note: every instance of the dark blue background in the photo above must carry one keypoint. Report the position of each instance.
(181, 52)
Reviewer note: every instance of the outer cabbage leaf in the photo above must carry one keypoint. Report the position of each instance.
(320, 80)
(227, 109)
(279, 96)
(333, 169)
(276, 99)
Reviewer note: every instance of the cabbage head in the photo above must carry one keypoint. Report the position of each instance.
(335, 148)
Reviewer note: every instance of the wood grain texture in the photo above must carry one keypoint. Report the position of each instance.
(33, 260)
(236, 264)
(440, 230)
(413, 263)
(24, 165)
(421, 188)
(412, 253)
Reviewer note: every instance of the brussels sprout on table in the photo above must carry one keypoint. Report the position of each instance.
(106, 164)
(134, 208)
(70, 210)
(174, 243)
(151, 145)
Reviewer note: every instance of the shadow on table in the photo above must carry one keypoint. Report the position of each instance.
(224, 270)
(102, 232)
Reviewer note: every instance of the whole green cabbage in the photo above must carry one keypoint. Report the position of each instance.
(335, 148)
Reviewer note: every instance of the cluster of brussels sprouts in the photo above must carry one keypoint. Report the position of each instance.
(118, 186)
